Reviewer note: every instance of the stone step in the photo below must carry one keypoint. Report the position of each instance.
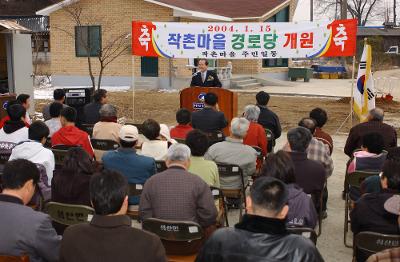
(247, 81)
(249, 86)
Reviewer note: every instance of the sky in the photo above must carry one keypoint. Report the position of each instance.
(303, 12)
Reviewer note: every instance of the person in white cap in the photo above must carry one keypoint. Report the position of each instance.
(136, 168)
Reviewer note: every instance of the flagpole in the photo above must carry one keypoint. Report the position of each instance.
(352, 91)
(133, 89)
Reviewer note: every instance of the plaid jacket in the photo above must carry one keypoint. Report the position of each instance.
(388, 255)
(320, 152)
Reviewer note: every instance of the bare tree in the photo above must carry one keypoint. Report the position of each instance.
(362, 10)
(112, 46)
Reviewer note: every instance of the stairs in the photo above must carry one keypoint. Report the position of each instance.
(245, 82)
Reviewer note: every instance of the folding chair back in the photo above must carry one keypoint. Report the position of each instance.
(135, 190)
(352, 180)
(271, 140)
(43, 190)
(215, 137)
(104, 144)
(5, 151)
(181, 231)
(160, 166)
(228, 170)
(48, 143)
(370, 242)
(7, 258)
(306, 232)
(60, 152)
(67, 214)
(355, 179)
(88, 128)
(219, 195)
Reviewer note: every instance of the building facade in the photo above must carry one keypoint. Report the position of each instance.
(102, 20)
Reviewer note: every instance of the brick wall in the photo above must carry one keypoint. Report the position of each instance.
(116, 21)
(115, 17)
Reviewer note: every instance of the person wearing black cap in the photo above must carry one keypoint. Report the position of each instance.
(262, 234)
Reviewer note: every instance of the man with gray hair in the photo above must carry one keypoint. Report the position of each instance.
(176, 194)
(374, 124)
(233, 151)
(107, 128)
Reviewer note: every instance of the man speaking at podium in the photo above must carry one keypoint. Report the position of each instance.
(204, 77)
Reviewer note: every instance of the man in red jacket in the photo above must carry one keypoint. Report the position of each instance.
(69, 134)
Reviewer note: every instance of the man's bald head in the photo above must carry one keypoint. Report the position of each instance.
(308, 123)
(376, 114)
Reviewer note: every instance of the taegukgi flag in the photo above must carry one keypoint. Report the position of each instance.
(364, 91)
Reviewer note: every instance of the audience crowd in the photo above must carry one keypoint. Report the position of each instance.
(176, 171)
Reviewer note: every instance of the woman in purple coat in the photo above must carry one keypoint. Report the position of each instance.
(302, 212)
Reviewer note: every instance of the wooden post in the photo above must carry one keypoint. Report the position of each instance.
(133, 89)
(352, 91)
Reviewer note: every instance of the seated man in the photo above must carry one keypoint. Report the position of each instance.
(91, 111)
(309, 174)
(371, 157)
(262, 234)
(14, 130)
(23, 230)
(33, 149)
(320, 116)
(233, 151)
(374, 124)
(369, 213)
(107, 127)
(183, 117)
(109, 236)
(317, 150)
(7, 117)
(186, 196)
(209, 119)
(69, 134)
(54, 123)
(59, 97)
(267, 118)
(136, 168)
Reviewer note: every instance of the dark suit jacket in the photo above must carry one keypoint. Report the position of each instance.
(211, 80)
(354, 140)
(208, 120)
(25, 231)
(91, 113)
(270, 120)
(310, 174)
(110, 238)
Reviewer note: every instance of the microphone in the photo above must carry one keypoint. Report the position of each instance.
(195, 74)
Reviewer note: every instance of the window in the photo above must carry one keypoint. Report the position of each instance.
(281, 16)
(87, 40)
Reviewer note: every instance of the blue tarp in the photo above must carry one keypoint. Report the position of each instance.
(329, 69)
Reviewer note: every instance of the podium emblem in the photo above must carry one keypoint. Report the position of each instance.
(201, 97)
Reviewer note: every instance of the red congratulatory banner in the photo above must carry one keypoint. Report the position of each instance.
(244, 40)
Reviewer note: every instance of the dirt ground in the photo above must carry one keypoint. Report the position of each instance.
(162, 106)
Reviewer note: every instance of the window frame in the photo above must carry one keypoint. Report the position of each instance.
(92, 53)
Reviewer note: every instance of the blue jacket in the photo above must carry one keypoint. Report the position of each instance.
(136, 168)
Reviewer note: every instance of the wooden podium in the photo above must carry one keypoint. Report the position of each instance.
(192, 99)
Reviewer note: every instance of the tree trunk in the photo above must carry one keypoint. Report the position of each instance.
(91, 74)
(100, 76)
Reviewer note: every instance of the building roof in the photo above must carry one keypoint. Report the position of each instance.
(378, 31)
(226, 10)
(11, 25)
(18, 8)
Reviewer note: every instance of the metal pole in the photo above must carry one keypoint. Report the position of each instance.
(343, 9)
(133, 89)
(394, 12)
(353, 82)
(311, 10)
